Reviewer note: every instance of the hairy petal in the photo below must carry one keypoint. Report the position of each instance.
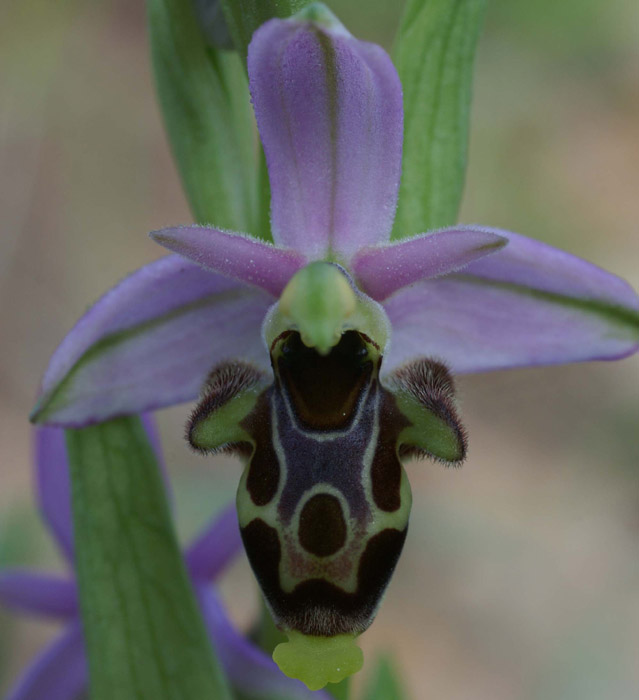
(38, 593)
(234, 255)
(59, 673)
(383, 269)
(249, 669)
(150, 342)
(529, 304)
(214, 549)
(329, 111)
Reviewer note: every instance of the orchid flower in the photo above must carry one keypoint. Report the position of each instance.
(327, 357)
(61, 670)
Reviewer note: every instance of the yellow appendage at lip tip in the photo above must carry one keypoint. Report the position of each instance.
(317, 661)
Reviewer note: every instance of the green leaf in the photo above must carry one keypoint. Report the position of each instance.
(434, 56)
(384, 683)
(243, 17)
(204, 98)
(144, 633)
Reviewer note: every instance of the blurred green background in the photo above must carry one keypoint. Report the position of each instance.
(520, 577)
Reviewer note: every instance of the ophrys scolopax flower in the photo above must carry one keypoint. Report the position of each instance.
(326, 358)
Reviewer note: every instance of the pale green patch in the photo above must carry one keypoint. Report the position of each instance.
(222, 426)
(317, 661)
(321, 303)
(427, 431)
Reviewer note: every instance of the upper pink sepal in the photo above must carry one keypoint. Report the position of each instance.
(329, 112)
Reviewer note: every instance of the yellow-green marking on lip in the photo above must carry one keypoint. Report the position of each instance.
(317, 661)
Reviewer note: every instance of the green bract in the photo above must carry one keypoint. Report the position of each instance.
(145, 636)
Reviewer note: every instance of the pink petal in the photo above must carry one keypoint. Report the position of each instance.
(383, 269)
(233, 255)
